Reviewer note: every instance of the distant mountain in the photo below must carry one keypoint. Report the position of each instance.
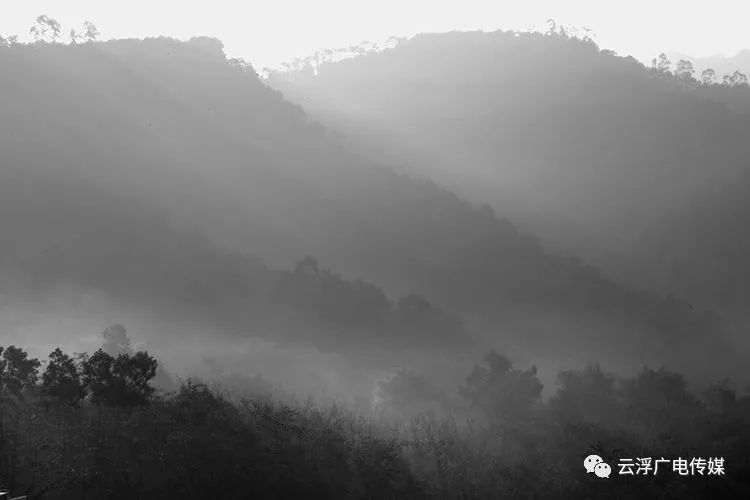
(639, 172)
(113, 154)
(722, 65)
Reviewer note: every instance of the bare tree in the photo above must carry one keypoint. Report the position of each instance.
(90, 31)
(46, 29)
(662, 64)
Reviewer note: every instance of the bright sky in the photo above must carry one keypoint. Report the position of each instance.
(268, 32)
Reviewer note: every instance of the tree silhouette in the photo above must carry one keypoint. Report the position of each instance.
(708, 76)
(736, 79)
(586, 396)
(119, 381)
(19, 371)
(90, 31)
(500, 391)
(659, 401)
(684, 70)
(62, 378)
(134, 374)
(662, 63)
(46, 29)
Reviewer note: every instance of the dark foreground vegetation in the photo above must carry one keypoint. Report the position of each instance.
(91, 426)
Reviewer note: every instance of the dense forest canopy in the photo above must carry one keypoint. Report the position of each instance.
(97, 426)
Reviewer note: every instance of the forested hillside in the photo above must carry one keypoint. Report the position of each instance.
(453, 267)
(114, 153)
(641, 171)
(93, 426)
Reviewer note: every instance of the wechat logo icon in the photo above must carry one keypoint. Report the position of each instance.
(595, 464)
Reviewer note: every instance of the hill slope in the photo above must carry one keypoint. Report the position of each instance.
(95, 136)
(640, 173)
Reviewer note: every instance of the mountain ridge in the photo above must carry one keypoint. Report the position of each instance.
(258, 177)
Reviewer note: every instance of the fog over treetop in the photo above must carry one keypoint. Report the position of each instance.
(270, 33)
(640, 170)
(149, 169)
